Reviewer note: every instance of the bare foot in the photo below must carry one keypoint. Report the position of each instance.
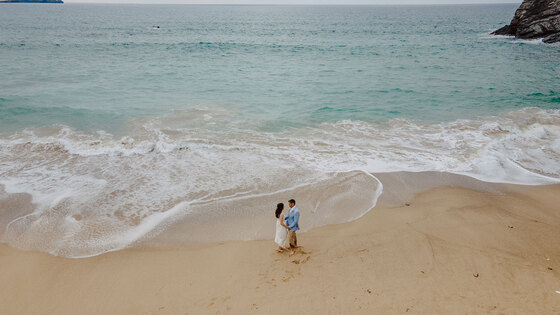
(292, 253)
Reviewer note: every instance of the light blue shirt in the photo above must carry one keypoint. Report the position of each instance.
(292, 219)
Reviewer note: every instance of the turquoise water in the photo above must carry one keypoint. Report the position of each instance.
(95, 66)
(124, 123)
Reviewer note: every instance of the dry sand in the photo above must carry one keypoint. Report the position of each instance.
(451, 251)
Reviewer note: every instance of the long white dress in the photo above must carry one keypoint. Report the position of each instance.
(281, 233)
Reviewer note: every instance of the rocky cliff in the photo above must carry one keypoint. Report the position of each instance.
(535, 19)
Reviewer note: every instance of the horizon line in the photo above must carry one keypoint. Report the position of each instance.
(290, 4)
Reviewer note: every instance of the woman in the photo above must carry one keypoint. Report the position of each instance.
(281, 228)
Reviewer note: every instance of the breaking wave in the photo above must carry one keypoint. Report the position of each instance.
(94, 193)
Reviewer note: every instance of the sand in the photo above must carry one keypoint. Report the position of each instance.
(452, 250)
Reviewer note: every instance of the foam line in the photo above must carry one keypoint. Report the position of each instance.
(97, 192)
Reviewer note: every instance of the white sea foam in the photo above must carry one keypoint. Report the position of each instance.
(515, 40)
(96, 193)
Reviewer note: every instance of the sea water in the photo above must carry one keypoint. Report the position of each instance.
(118, 120)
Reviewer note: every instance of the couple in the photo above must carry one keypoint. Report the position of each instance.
(286, 226)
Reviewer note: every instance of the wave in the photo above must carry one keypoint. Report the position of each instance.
(514, 40)
(95, 192)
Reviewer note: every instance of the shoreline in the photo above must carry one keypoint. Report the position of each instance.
(397, 189)
(452, 250)
(321, 201)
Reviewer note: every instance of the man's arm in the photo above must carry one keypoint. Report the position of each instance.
(295, 220)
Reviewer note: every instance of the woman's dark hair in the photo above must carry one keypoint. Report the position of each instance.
(279, 208)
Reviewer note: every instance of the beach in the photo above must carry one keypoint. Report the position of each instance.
(447, 250)
(182, 125)
(144, 148)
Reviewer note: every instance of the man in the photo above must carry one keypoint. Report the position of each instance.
(292, 220)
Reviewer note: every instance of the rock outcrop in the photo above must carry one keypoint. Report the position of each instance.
(535, 19)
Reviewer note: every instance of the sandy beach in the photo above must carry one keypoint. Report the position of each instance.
(449, 250)
(145, 145)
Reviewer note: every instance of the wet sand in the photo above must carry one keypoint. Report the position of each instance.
(448, 250)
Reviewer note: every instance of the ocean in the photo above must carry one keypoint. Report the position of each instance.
(117, 121)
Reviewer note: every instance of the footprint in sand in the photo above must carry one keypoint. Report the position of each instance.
(303, 261)
(287, 278)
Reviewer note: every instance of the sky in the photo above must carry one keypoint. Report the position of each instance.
(385, 2)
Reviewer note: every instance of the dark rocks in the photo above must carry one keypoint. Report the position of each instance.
(535, 19)
(506, 30)
(552, 38)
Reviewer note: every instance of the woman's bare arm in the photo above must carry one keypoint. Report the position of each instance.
(282, 222)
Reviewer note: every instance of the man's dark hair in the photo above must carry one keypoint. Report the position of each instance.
(292, 201)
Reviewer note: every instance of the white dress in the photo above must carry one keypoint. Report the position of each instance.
(281, 234)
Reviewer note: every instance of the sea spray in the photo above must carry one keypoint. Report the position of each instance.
(94, 193)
